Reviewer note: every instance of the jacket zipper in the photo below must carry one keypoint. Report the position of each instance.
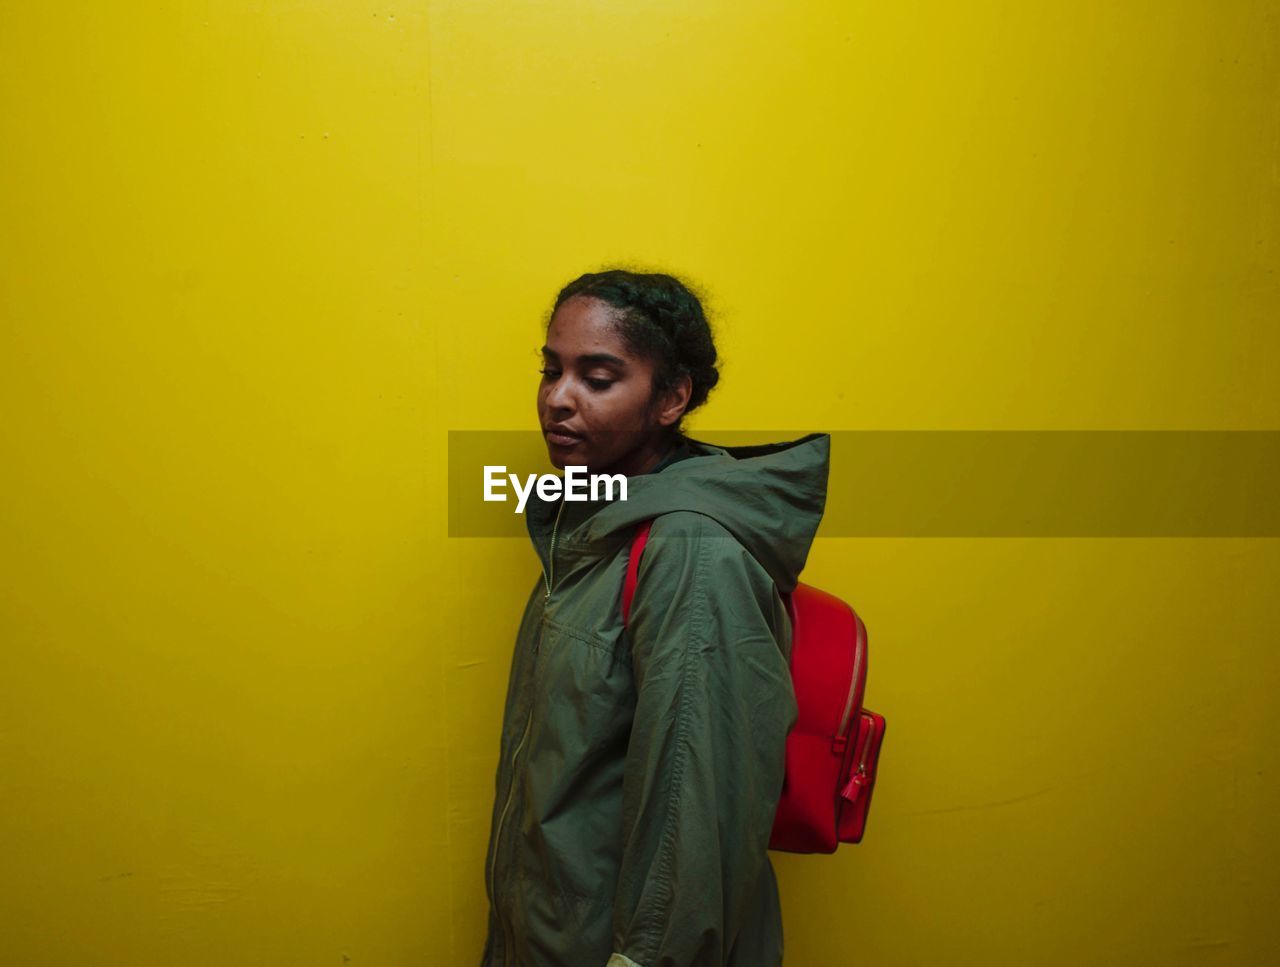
(497, 842)
(511, 787)
(551, 556)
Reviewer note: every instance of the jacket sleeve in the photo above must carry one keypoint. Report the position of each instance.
(704, 763)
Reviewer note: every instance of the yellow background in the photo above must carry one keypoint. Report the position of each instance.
(256, 259)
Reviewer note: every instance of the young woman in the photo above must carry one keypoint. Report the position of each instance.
(641, 765)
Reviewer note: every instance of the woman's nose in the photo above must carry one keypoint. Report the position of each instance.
(560, 395)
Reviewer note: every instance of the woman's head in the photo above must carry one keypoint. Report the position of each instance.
(627, 355)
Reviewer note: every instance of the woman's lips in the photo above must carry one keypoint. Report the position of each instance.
(557, 439)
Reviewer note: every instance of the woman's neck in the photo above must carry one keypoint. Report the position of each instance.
(647, 456)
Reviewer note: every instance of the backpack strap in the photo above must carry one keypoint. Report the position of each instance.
(633, 568)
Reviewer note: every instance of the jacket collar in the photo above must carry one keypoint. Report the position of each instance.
(771, 497)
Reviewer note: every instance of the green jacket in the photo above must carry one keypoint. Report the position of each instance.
(641, 768)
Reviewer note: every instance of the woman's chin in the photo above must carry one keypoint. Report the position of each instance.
(562, 456)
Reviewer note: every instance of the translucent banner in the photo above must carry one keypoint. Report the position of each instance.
(969, 483)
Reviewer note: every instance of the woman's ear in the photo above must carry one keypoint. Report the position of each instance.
(674, 402)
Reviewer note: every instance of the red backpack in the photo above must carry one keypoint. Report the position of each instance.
(833, 748)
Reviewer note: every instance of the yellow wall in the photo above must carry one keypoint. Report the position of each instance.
(256, 259)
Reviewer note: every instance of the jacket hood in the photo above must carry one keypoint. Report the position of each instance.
(770, 497)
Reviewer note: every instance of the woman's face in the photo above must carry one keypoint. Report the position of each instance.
(594, 398)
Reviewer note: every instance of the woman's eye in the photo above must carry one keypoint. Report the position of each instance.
(596, 384)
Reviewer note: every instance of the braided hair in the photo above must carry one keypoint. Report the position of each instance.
(658, 317)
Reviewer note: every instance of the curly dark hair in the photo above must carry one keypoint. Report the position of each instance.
(658, 317)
